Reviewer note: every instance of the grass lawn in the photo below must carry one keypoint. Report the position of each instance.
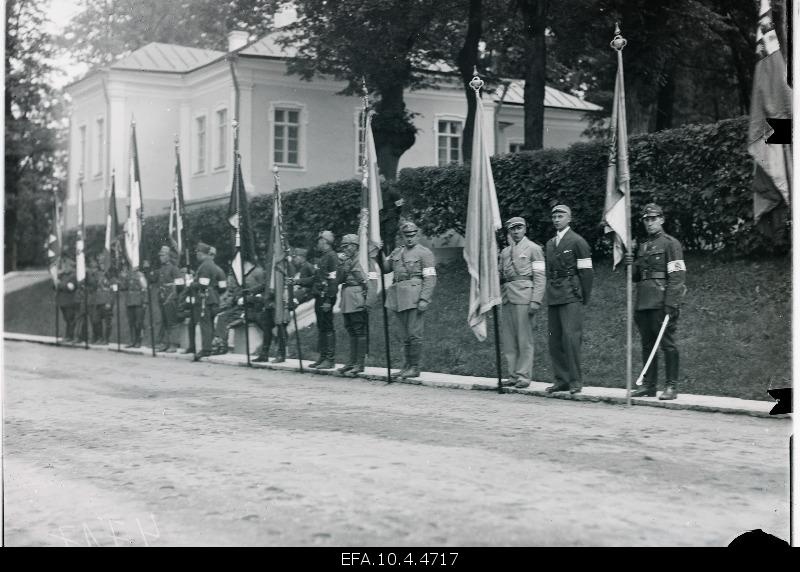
(734, 331)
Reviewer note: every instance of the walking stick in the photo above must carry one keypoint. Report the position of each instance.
(497, 349)
(655, 350)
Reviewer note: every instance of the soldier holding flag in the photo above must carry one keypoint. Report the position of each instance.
(209, 283)
(353, 279)
(167, 279)
(324, 288)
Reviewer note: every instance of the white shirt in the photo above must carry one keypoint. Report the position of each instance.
(560, 234)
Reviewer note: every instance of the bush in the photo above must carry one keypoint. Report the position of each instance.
(700, 174)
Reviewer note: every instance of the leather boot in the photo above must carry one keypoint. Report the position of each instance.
(646, 390)
(672, 362)
(414, 351)
(321, 344)
(404, 369)
(281, 357)
(351, 360)
(330, 350)
(361, 354)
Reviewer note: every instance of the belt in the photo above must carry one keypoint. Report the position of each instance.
(563, 273)
(516, 278)
(409, 278)
(649, 274)
(348, 285)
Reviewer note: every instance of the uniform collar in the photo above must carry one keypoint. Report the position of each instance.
(659, 234)
(560, 234)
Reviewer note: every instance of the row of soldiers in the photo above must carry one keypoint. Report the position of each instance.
(559, 276)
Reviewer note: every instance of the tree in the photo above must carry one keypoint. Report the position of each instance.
(467, 60)
(389, 43)
(109, 29)
(534, 16)
(32, 138)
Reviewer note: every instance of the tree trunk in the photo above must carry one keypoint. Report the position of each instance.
(467, 60)
(534, 15)
(665, 102)
(393, 129)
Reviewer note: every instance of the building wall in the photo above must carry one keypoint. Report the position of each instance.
(562, 127)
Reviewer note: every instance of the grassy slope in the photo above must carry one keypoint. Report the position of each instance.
(734, 331)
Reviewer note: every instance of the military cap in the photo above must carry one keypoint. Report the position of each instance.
(165, 250)
(203, 247)
(300, 252)
(515, 221)
(327, 236)
(409, 228)
(561, 209)
(652, 209)
(350, 239)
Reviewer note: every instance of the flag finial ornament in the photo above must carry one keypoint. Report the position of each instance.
(274, 169)
(476, 82)
(618, 42)
(177, 141)
(364, 91)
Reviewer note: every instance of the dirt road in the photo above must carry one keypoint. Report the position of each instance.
(112, 449)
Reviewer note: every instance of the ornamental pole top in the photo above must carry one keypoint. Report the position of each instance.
(177, 141)
(274, 169)
(364, 91)
(476, 83)
(618, 43)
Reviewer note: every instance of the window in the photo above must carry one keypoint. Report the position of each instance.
(82, 149)
(222, 138)
(100, 137)
(200, 144)
(449, 141)
(514, 146)
(286, 140)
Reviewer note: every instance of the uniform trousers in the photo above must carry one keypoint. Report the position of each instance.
(412, 323)
(70, 313)
(324, 319)
(206, 322)
(167, 331)
(565, 334)
(517, 338)
(649, 324)
(101, 321)
(267, 324)
(136, 323)
(356, 323)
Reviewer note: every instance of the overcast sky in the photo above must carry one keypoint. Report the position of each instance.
(59, 13)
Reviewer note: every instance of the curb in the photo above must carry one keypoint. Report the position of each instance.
(615, 396)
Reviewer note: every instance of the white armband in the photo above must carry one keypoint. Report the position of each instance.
(70, 286)
(538, 265)
(222, 284)
(676, 266)
(204, 281)
(430, 271)
(113, 287)
(189, 279)
(332, 275)
(179, 282)
(373, 275)
(584, 263)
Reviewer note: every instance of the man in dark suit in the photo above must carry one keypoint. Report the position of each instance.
(568, 261)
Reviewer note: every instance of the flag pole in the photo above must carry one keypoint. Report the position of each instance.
(618, 44)
(119, 332)
(56, 223)
(85, 321)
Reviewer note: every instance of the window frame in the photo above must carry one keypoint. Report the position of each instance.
(199, 159)
(83, 149)
(220, 145)
(302, 125)
(452, 118)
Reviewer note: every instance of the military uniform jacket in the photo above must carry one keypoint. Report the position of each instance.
(569, 270)
(660, 272)
(134, 284)
(92, 282)
(66, 289)
(103, 294)
(302, 274)
(354, 286)
(414, 277)
(323, 283)
(522, 278)
(211, 279)
(168, 278)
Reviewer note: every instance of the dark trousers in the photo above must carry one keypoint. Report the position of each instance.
(565, 334)
(101, 321)
(70, 313)
(267, 323)
(136, 323)
(649, 324)
(206, 321)
(169, 319)
(356, 323)
(324, 319)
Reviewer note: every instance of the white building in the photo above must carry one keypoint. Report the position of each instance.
(304, 127)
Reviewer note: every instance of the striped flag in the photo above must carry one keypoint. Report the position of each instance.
(772, 98)
(483, 221)
(133, 226)
(239, 219)
(618, 177)
(111, 248)
(54, 241)
(369, 227)
(176, 232)
(80, 256)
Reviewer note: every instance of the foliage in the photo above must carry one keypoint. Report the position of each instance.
(32, 137)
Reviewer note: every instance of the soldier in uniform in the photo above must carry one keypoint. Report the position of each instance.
(522, 282)
(660, 274)
(103, 309)
(66, 296)
(134, 284)
(168, 278)
(185, 309)
(568, 262)
(324, 288)
(232, 314)
(353, 305)
(209, 283)
(302, 271)
(85, 297)
(409, 296)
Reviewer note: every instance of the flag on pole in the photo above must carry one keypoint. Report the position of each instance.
(111, 248)
(483, 220)
(54, 244)
(772, 98)
(80, 257)
(176, 207)
(277, 278)
(369, 227)
(133, 226)
(618, 177)
(239, 219)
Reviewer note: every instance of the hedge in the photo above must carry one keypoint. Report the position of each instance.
(700, 174)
